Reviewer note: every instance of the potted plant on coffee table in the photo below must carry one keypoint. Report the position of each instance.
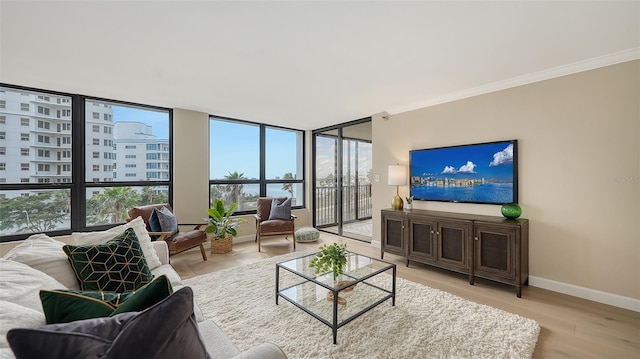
(332, 258)
(222, 226)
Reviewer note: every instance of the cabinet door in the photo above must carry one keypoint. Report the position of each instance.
(422, 239)
(393, 231)
(453, 239)
(495, 249)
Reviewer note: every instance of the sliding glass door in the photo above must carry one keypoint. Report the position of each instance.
(342, 186)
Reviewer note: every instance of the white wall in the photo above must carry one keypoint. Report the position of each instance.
(579, 153)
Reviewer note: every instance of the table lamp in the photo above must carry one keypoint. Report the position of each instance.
(397, 177)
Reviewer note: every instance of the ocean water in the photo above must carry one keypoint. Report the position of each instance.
(488, 193)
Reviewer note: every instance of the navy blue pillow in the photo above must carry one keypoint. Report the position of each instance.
(154, 222)
(162, 220)
(280, 210)
(168, 221)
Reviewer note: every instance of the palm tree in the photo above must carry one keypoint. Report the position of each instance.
(111, 205)
(151, 195)
(288, 186)
(146, 197)
(234, 190)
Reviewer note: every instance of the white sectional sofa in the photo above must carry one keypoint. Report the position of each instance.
(39, 263)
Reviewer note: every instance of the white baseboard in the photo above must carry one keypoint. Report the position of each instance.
(580, 292)
(586, 293)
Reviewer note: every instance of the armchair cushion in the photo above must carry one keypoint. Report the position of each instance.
(280, 210)
(276, 226)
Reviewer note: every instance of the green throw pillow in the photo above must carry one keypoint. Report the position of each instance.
(64, 306)
(115, 266)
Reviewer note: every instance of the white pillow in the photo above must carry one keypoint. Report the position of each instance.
(84, 238)
(21, 284)
(45, 254)
(16, 316)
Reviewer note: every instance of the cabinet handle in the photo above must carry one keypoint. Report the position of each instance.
(476, 238)
(432, 232)
(438, 233)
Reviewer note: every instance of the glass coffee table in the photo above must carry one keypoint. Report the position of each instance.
(364, 284)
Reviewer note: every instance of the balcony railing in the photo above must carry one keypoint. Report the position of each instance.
(356, 204)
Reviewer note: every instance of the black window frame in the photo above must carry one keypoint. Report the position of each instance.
(79, 185)
(262, 181)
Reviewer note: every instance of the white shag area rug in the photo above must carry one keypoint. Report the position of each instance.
(425, 322)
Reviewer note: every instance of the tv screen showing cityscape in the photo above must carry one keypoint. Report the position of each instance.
(476, 173)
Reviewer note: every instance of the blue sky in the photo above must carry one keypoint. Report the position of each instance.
(490, 160)
(159, 121)
(236, 147)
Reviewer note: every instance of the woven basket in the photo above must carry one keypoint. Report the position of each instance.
(221, 246)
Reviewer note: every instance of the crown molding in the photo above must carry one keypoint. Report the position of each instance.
(580, 66)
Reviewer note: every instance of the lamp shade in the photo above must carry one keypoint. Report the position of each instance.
(397, 175)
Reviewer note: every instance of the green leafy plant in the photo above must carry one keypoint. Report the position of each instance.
(220, 222)
(409, 199)
(331, 257)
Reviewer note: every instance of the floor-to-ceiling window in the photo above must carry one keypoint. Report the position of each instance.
(71, 162)
(250, 160)
(342, 179)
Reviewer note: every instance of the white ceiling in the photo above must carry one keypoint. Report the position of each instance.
(305, 65)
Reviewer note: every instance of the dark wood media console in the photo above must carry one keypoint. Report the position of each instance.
(488, 247)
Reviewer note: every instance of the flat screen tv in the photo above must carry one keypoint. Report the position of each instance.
(476, 173)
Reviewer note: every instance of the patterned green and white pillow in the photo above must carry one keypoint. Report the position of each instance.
(118, 265)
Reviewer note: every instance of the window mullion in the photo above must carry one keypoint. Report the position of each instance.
(263, 161)
(78, 153)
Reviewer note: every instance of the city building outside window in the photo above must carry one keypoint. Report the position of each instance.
(44, 183)
(130, 129)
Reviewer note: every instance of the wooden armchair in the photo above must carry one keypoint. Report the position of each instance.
(176, 241)
(266, 227)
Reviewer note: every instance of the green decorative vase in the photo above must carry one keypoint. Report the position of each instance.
(511, 210)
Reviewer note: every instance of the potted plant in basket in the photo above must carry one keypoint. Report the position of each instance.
(222, 226)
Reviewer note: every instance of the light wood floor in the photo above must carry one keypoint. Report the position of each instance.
(571, 327)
